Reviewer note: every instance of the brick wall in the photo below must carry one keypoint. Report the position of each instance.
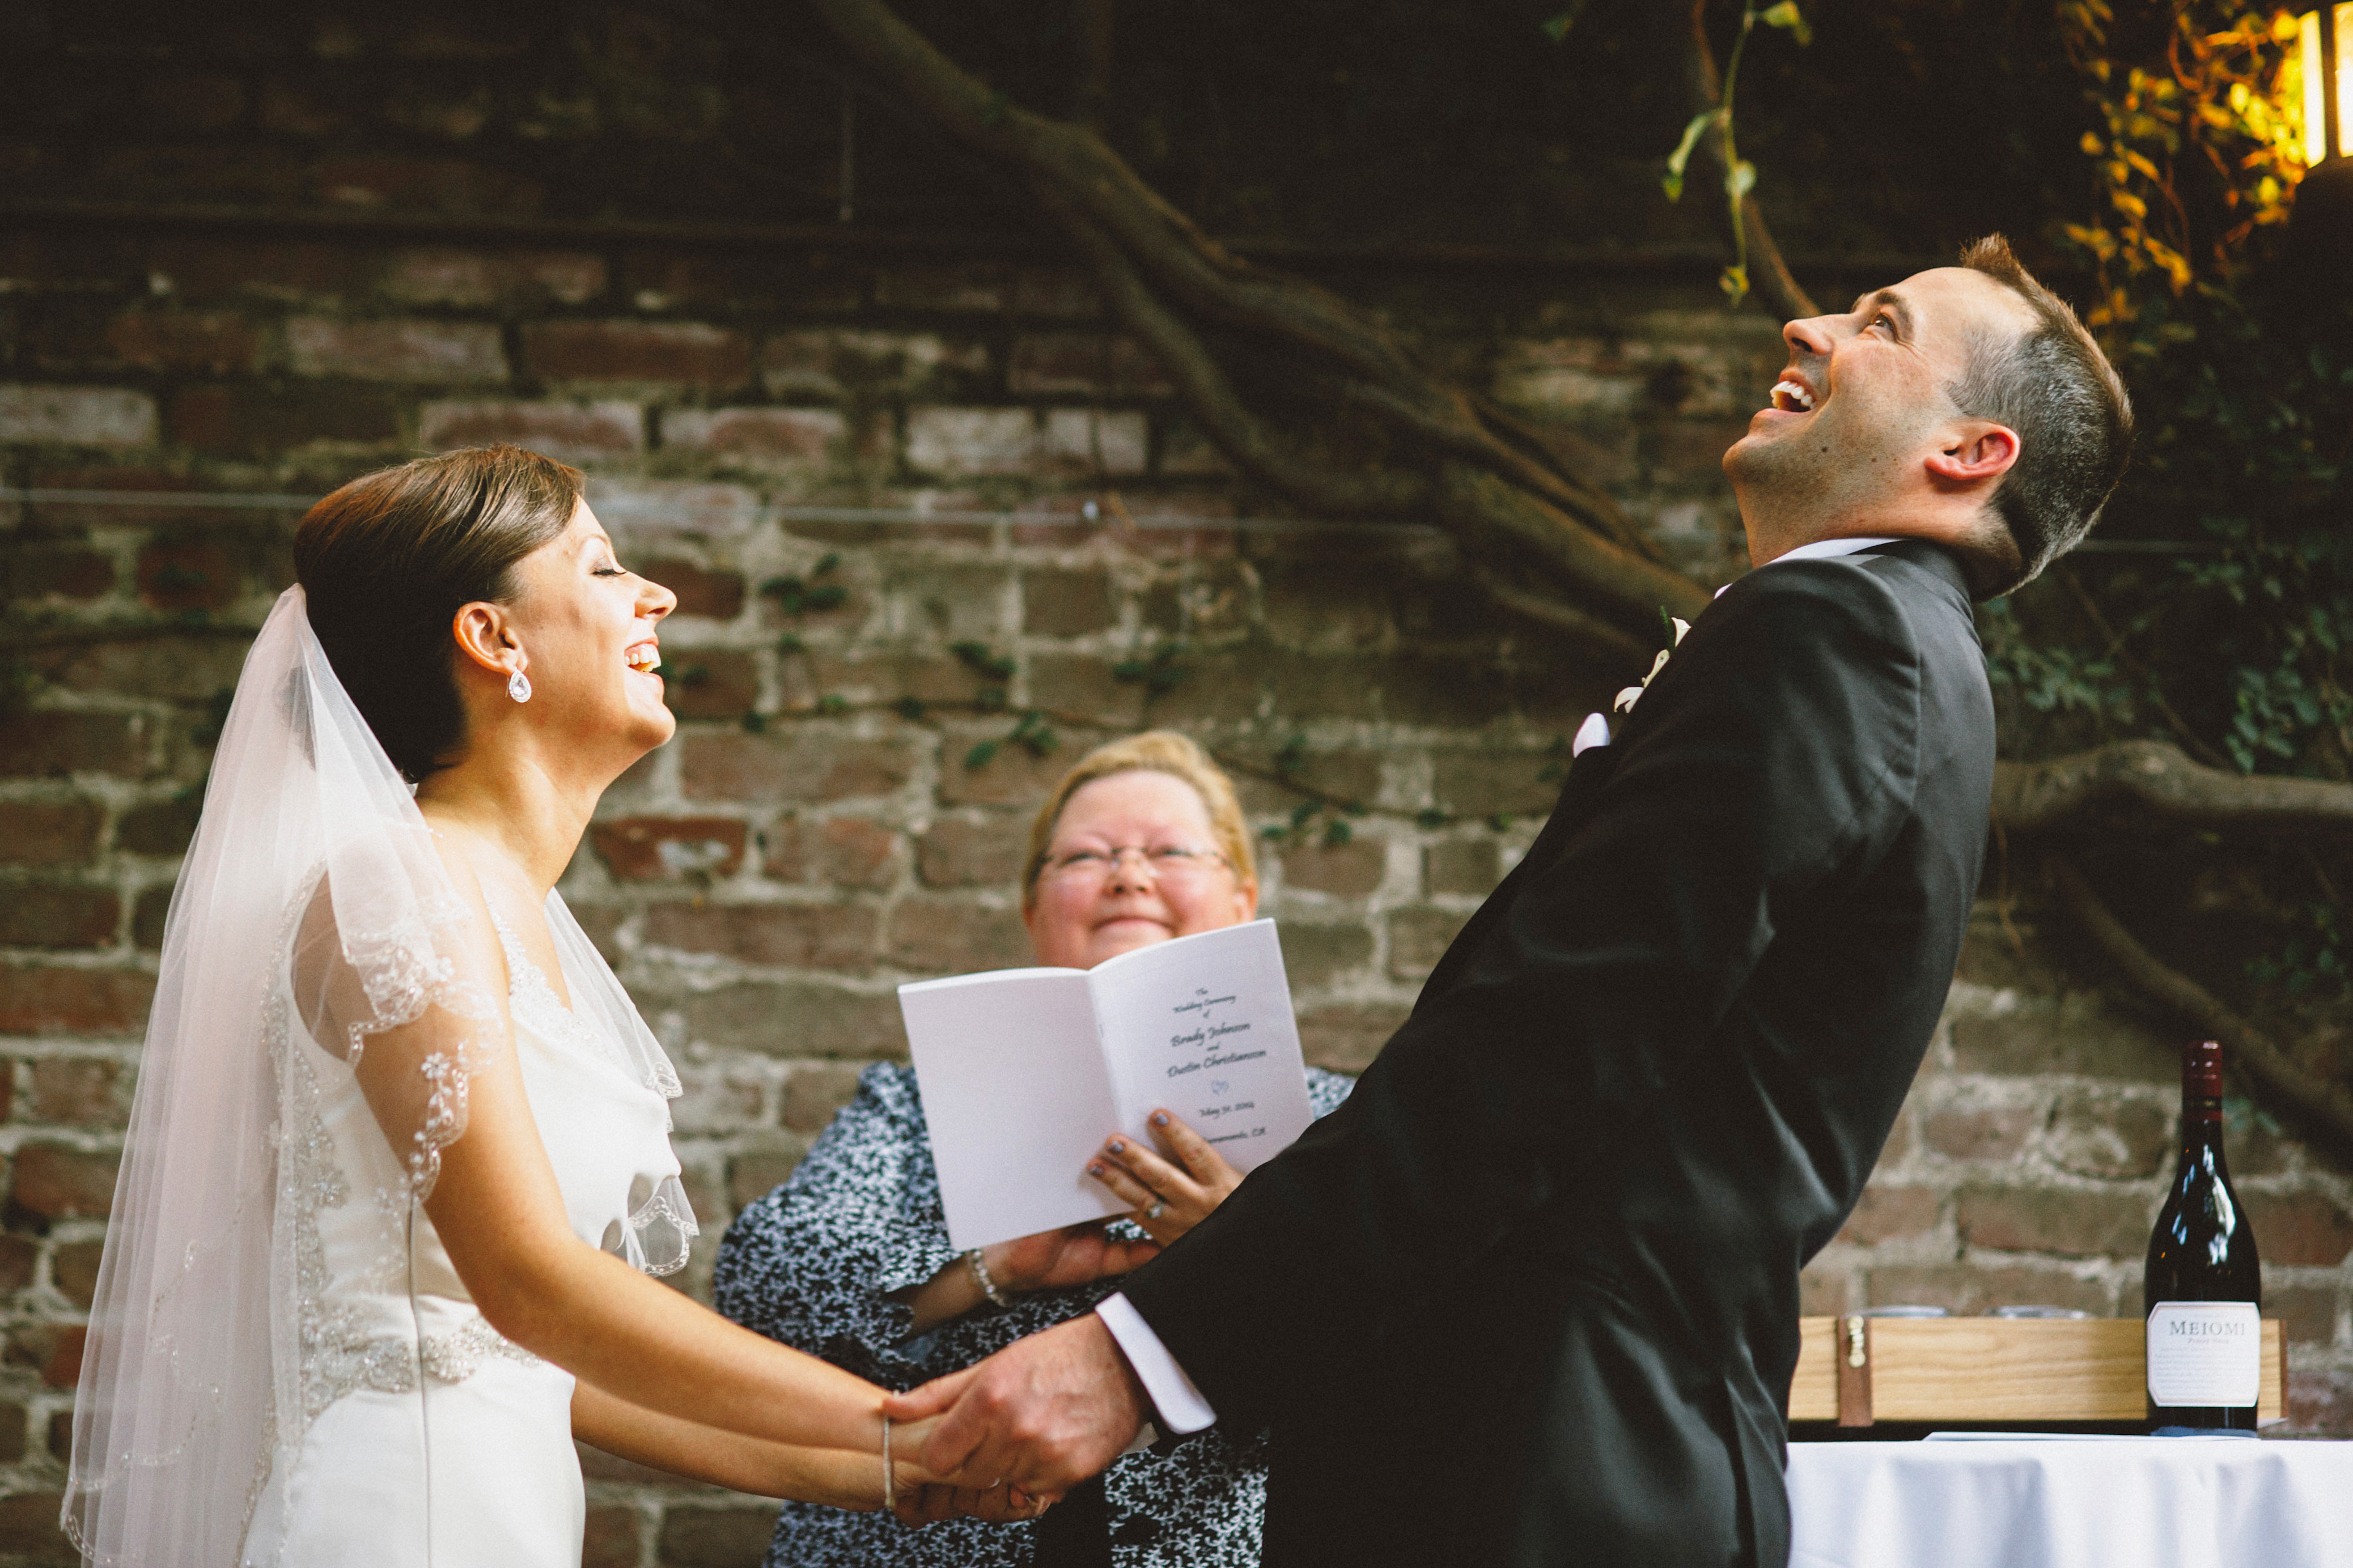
(906, 500)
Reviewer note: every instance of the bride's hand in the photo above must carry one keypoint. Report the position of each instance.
(925, 1499)
(1171, 1195)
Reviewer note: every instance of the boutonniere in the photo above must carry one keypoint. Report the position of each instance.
(1678, 629)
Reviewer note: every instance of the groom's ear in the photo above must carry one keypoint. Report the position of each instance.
(481, 630)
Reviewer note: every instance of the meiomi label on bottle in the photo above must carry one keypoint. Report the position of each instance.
(2205, 1353)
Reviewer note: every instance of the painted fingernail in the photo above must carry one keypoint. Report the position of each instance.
(1094, 1170)
(1116, 1147)
(1160, 1119)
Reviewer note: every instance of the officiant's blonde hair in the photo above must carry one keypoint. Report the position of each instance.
(1153, 752)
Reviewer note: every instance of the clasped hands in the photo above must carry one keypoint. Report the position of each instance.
(1004, 1439)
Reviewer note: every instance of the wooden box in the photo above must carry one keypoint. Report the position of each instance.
(1992, 1370)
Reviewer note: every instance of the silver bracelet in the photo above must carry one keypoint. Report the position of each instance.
(890, 1478)
(988, 1287)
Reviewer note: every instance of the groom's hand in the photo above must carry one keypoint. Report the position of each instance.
(1044, 1412)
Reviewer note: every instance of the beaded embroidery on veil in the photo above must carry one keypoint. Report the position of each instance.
(314, 926)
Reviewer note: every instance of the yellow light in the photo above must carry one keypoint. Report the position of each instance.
(2315, 56)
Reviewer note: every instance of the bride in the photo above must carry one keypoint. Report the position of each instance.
(399, 1175)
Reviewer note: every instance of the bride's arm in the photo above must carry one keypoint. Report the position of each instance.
(500, 1216)
(829, 1476)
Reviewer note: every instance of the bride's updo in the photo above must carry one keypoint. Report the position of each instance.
(386, 561)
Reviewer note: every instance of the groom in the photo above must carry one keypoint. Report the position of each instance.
(1531, 1295)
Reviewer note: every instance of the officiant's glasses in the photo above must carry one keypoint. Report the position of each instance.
(1168, 862)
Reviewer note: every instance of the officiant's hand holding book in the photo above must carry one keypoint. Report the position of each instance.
(1022, 1070)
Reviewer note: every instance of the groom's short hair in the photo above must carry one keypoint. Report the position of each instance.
(2075, 421)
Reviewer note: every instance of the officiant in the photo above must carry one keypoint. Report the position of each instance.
(1142, 841)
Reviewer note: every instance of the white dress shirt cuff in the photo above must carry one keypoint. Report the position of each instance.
(1182, 1408)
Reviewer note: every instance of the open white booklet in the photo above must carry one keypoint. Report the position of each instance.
(1025, 1071)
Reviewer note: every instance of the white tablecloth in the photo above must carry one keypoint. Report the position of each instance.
(2090, 1502)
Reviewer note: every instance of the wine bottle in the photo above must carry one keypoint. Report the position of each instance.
(2203, 1288)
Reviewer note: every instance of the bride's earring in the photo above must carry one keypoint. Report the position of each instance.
(519, 686)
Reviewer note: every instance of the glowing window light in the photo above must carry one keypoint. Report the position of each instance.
(2320, 56)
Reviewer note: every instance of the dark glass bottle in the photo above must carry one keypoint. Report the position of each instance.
(2203, 1291)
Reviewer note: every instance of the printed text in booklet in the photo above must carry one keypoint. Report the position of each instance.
(1025, 1071)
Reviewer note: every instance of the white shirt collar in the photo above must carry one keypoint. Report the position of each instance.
(1822, 550)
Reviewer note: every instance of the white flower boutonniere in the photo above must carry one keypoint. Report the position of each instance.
(1633, 694)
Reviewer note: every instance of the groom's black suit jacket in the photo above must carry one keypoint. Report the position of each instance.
(1531, 1295)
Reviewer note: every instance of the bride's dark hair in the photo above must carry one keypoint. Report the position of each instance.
(386, 561)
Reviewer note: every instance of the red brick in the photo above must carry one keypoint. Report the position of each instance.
(1313, 955)
(249, 420)
(679, 352)
(90, 1091)
(990, 853)
(37, 999)
(837, 363)
(847, 851)
(431, 353)
(1350, 871)
(149, 916)
(450, 185)
(68, 572)
(1060, 603)
(2069, 1222)
(762, 438)
(17, 1255)
(1099, 441)
(1885, 1213)
(48, 833)
(29, 1528)
(1346, 1037)
(611, 1538)
(572, 432)
(725, 1537)
(961, 441)
(797, 1018)
(799, 765)
(1012, 776)
(1510, 784)
(1086, 364)
(1055, 291)
(887, 676)
(2097, 1132)
(192, 667)
(197, 267)
(714, 684)
(814, 1094)
(1988, 1132)
(796, 936)
(443, 275)
(160, 827)
(58, 915)
(700, 591)
(47, 743)
(1467, 866)
(938, 936)
(754, 1173)
(209, 342)
(57, 1182)
(2306, 1229)
(1418, 937)
(652, 848)
(74, 1268)
(77, 416)
(971, 290)
(55, 1348)
(187, 574)
(2307, 1313)
(193, 100)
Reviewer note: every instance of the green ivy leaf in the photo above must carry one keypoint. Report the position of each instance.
(1556, 27)
(1337, 833)
(980, 755)
(1739, 180)
(1787, 15)
(1678, 159)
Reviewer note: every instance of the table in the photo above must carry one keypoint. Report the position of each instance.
(2071, 1502)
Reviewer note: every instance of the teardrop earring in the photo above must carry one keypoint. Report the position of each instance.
(519, 686)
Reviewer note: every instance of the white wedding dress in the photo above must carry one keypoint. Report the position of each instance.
(282, 1368)
(473, 1463)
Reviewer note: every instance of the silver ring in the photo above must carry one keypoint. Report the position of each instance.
(1154, 1212)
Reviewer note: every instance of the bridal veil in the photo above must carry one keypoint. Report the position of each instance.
(311, 906)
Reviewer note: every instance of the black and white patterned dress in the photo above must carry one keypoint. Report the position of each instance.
(814, 1265)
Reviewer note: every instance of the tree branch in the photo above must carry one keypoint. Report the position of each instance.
(2323, 1106)
(2164, 784)
(1768, 276)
